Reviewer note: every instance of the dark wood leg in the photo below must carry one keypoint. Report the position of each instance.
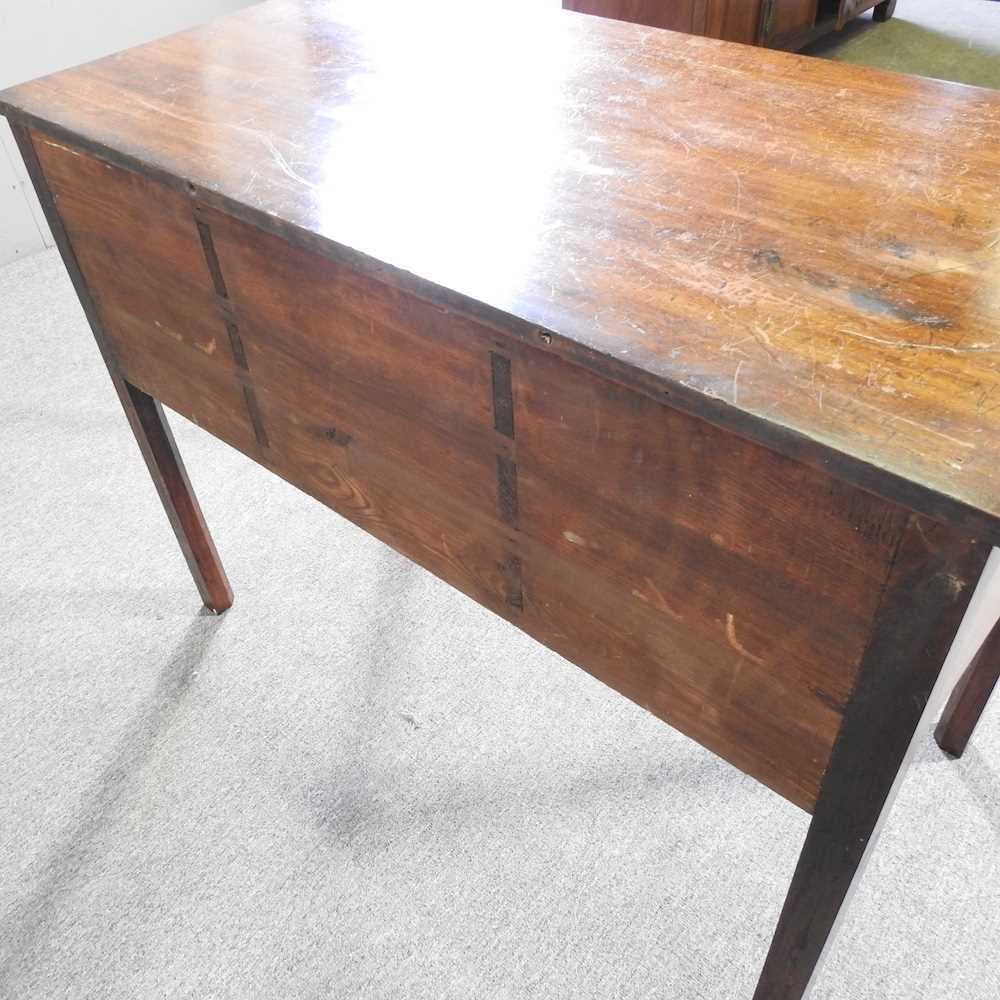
(923, 602)
(145, 416)
(970, 697)
(149, 423)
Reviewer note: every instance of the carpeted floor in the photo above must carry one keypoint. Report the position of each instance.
(950, 39)
(357, 784)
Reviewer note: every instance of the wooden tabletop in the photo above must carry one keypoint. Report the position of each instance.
(802, 251)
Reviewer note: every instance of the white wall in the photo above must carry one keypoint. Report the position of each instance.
(41, 36)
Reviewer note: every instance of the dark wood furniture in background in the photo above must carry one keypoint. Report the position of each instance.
(692, 384)
(777, 24)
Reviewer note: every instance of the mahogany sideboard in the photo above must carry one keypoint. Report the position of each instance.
(777, 24)
(697, 387)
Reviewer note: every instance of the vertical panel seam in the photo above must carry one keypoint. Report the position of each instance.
(503, 396)
(225, 307)
(506, 473)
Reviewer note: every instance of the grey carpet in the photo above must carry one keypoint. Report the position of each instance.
(359, 784)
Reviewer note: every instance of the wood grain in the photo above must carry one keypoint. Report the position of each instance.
(155, 296)
(734, 21)
(710, 572)
(138, 246)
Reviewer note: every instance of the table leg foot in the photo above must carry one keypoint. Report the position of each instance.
(970, 697)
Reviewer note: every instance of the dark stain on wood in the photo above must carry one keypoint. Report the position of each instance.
(337, 436)
(510, 569)
(872, 303)
(236, 345)
(507, 490)
(212, 259)
(831, 701)
(255, 418)
(503, 401)
(901, 250)
(816, 278)
(769, 258)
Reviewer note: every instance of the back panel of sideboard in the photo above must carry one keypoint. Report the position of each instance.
(725, 588)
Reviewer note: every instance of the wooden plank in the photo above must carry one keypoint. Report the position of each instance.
(350, 356)
(609, 478)
(185, 381)
(113, 216)
(726, 701)
(739, 584)
(332, 321)
(139, 250)
(828, 294)
(397, 505)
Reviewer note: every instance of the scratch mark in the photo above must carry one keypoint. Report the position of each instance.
(736, 644)
(282, 162)
(736, 384)
(263, 137)
(59, 145)
(739, 189)
(660, 603)
(907, 345)
(972, 262)
(913, 423)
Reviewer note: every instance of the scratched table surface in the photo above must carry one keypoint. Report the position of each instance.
(805, 252)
